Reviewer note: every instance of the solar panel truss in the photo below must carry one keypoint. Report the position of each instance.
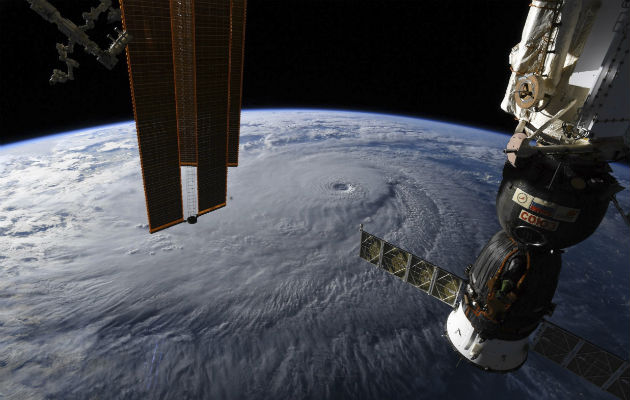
(427, 277)
(185, 71)
(584, 359)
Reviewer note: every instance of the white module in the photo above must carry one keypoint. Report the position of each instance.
(569, 72)
(489, 354)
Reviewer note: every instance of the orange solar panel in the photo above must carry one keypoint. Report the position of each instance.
(179, 73)
(149, 57)
(237, 53)
(182, 32)
(212, 56)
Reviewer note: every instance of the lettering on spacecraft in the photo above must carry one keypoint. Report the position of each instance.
(543, 207)
(540, 222)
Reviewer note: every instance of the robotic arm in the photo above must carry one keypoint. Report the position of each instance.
(77, 34)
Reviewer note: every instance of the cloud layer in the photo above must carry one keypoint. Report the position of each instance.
(267, 297)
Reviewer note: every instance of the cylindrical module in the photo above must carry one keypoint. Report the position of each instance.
(553, 203)
(494, 355)
(509, 290)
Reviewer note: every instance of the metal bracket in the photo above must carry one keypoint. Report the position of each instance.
(433, 279)
(407, 267)
(615, 375)
(380, 254)
(572, 353)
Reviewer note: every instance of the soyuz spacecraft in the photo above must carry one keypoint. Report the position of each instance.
(569, 92)
(185, 60)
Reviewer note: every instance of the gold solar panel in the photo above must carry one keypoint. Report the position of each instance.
(421, 273)
(394, 260)
(432, 280)
(445, 286)
(370, 248)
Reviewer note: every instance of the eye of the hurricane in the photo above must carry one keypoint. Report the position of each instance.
(341, 187)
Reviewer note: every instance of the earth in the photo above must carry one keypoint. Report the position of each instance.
(267, 297)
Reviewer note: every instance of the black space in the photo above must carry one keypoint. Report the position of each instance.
(444, 60)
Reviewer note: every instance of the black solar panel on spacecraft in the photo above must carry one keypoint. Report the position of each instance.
(421, 273)
(584, 359)
(433, 280)
(370, 248)
(445, 286)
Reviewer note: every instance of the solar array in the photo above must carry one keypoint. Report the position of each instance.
(584, 359)
(237, 54)
(185, 71)
(435, 281)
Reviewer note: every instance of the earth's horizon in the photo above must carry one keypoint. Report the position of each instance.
(271, 109)
(267, 297)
